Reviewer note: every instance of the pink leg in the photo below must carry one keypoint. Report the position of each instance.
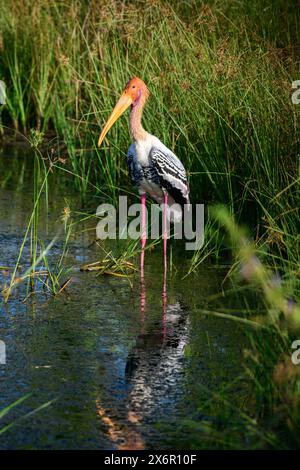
(142, 301)
(165, 234)
(143, 230)
(164, 306)
(164, 294)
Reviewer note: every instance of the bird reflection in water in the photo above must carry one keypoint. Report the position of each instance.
(153, 371)
(154, 366)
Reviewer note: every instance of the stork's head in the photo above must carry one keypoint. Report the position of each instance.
(135, 92)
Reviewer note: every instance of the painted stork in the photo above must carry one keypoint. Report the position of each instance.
(153, 168)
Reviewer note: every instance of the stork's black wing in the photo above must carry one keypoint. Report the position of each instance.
(134, 168)
(171, 173)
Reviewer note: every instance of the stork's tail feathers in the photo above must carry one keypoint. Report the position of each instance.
(175, 212)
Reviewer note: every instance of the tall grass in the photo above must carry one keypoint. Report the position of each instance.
(275, 376)
(49, 275)
(220, 77)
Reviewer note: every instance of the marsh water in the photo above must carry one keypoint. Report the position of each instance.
(109, 362)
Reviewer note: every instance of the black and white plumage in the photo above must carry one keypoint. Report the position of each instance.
(154, 169)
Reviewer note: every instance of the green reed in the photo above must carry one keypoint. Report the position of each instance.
(276, 324)
(4, 428)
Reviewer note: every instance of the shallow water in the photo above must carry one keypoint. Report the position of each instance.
(122, 368)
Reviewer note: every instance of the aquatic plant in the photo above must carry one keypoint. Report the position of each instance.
(10, 407)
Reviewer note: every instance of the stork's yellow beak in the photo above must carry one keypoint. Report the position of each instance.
(124, 102)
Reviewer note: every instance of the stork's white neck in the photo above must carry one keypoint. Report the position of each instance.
(136, 129)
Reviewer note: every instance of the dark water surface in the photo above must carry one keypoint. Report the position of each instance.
(119, 375)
